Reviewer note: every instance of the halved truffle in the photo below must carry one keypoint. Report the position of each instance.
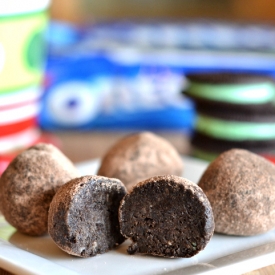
(139, 156)
(240, 186)
(83, 215)
(28, 185)
(166, 216)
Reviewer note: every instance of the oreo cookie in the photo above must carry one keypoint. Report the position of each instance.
(166, 216)
(243, 92)
(209, 148)
(234, 110)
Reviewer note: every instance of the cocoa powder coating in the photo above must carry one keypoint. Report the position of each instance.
(140, 156)
(28, 185)
(240, 186)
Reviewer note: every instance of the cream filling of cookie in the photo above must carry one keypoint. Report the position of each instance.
(235, 130)
(248, 93)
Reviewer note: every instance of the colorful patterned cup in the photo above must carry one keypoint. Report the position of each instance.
(22, 45)
(22, 59)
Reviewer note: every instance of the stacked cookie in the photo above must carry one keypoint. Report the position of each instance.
(234, 110)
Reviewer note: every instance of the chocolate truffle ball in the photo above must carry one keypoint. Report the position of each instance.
(83, 215)
(166, 216)
(28, 185)
(139, 156)
(240, 186)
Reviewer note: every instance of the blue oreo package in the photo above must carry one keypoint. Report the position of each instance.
(129, 75)
(98, 84)
(99, 93)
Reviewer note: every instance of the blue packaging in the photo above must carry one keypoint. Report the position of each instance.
(74, 88)
(129, 75)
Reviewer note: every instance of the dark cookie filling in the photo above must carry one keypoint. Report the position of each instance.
(166, 216)
(83, 216)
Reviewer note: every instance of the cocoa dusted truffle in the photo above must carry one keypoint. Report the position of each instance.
(83, 215)
(166, 216)
(240, 186)
(28, 185)
(139, 156)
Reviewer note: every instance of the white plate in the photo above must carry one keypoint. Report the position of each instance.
(21, 254)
